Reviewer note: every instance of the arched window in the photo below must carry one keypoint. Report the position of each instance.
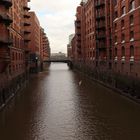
(123, 10)
(123, 37)
(132, 5)
(131, 36)
(131, 20)
(115, 38)
(122, 23)
(123, 51)
(131, 50)
(116, 52)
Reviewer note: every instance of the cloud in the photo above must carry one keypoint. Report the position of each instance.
(57, 17)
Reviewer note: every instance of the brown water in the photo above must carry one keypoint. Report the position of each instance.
(55, 106)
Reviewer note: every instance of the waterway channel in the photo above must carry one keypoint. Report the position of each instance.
(60, 104)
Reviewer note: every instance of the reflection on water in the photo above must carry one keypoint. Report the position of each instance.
(54, 106)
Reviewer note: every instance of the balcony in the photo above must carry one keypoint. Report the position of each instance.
(79, 46)
(79, 52)
(5, 55)
(27, 50)
(26, 8)
(77, 25)
(26, 24)
(4, 59)
(27, 39)
(100, 27)
(100, 17)
(4, 41)
(101, 37)
(27, 32)
(6, 3)
(101, 47)
(3, 65)
(99, 4)
(78, 40)
(26, 16)
(77, 21)
(78, 34)
(101, 44)
(5, 19)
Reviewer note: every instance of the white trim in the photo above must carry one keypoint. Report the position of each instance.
(132, 39)
(123, 41)
(126, 14)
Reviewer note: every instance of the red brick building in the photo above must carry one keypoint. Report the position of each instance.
(69, 47)
(108, 34)
(26, 34)
(34, 44)
(45, 46)
(93, 32)
(12, 48)
(103, 33)
(5, 42)
(74, 50)
(90, 43)
(19, 46)
(18, 33)
(79, 38)
(107, 42)
(126, 34)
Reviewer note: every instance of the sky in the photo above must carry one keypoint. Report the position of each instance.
(57, 18)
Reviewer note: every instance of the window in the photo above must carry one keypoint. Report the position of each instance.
(13, 56)
(131, 20)
(131, 36)
(123, 38)
(116, 14)
(115, 2)
(123, 51)
(132, 5)
(131, 51)
(115, 39)
(123, 10)
(131, 54)
(10, 71)
(122, 23)
(116, 52)
(115, 26)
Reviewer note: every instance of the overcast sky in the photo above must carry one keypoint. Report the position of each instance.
(57, 18)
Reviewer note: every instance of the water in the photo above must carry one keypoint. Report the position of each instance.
(60, 104)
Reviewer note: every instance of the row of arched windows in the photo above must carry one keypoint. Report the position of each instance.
(123, 51)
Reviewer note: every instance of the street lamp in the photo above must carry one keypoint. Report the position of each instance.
(36, 63)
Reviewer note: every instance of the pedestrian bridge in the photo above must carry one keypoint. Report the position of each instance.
(68, 61)
(58, 60)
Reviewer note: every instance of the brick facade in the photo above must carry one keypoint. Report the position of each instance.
(108, 35)
(34, 44)
(12, 46)
(20, 47)
(126, 33)
(5, 43)
(109, 31)
(45, 46)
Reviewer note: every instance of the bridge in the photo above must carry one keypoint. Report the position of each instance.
(58, 60)
(68, 61)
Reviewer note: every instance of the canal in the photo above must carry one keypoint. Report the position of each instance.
(60, 104)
